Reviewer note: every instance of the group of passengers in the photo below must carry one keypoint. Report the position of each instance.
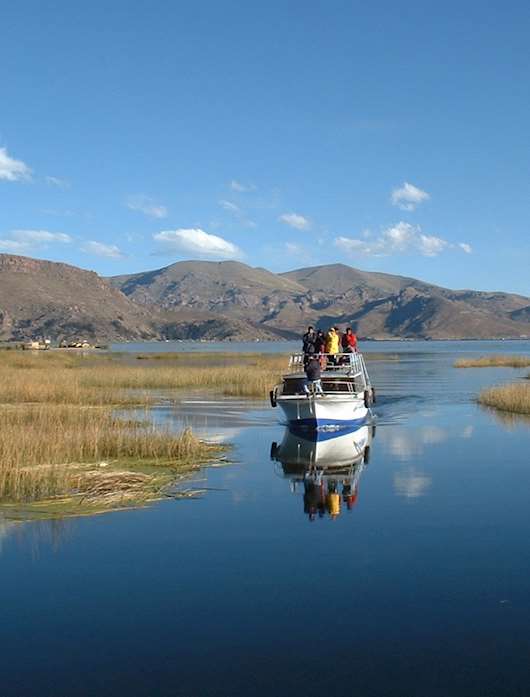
(332, 343)
(323, 349)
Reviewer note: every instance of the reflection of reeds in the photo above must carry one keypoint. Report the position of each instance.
(510, 420)
(494, 362)
(510, 398)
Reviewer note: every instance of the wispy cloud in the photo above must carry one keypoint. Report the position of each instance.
(196, 241)
(60, 213)
(295, 220)
(398, 239)
(467, 248)
(229, 206)
(20, 241)
(408, 197)
(12, 170)
(109, 251)
(242, 188)
(237, 212)
(294, 249)
(146, 205)
(58, 182)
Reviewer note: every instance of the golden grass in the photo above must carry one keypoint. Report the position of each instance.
(514, 398)
(103, 379)
(502, 361)
(58, 423)
(43, 449)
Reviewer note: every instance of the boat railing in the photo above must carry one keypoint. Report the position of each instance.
(350, 364)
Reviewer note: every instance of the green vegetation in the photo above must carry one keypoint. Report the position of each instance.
(502, 361)
(513, 398)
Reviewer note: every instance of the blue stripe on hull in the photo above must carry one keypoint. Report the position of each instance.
(314, 423)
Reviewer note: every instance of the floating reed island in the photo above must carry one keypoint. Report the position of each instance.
(502, 361)
(514, 398)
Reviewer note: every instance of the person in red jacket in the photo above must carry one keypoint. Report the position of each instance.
(349, 341)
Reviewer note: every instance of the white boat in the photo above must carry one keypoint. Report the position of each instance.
(346, 396)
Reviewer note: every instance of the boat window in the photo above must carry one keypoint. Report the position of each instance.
(293, 386)
(335, 386)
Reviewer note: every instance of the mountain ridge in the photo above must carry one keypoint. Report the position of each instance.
(231, 300)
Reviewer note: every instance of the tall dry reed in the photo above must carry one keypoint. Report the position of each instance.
(513, 398)
(494, 362)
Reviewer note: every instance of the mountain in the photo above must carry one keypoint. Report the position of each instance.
(383, 305)
(44, 298)
(230, 300)
(226, 287)
(380, 305)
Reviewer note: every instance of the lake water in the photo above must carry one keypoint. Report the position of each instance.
(415, 582)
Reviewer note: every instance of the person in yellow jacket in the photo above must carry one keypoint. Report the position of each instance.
(332, 344)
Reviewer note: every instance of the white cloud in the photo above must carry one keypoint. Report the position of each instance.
(408, 197)
(241, 188)
(109, 251)
(58, 182)
(19, 241)
(12, 170)
(295, 220)
(468, 249)
(146, 205)
(397, 239)
(196, 241)
(13, 247)
(40, 236)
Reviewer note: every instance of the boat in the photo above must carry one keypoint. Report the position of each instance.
(327, 466)
(346, 398)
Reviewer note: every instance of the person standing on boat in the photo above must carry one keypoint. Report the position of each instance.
(349, 341)
(320, 342)
(312, 371)
(332, 344)
(308, 341)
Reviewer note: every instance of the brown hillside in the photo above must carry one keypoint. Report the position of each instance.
(48, 299)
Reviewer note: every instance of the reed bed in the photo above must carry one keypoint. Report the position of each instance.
(242, 381)
(59, 378)
(43, 449)
(60, 435)
(502, 361)
(514, 398)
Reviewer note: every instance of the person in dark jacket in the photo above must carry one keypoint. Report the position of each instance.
(312, 371)
(320, 342)
(308, 341)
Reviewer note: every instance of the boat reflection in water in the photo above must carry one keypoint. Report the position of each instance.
(326, 465)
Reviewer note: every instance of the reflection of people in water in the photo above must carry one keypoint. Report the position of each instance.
(333, 499)
(324, 495)
(328, 466)
(349, 494)
(314, 498)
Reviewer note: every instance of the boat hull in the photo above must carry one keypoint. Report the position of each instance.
(321, 412)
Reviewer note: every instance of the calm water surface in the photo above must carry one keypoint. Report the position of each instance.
(418, 584)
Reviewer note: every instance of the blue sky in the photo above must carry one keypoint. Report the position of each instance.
(392, 137)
